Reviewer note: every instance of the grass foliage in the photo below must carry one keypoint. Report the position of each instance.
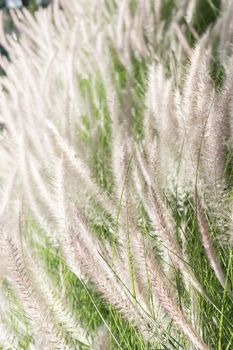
(116, 176)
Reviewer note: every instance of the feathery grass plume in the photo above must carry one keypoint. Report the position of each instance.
(170, 306)
(182, 40)
(15, 326)
(225, 49)
(197, 126)
(229, 218)
(8, 339)
(117, 291)
(81, 169)
(6, 192)
(91, 262)
(101, 339)
(131, 265)
(192, 81)
(196, 104)
(62, 217)
(46, 332)
(217, 137)
(59, 308)
(160, 122)
(208, 245)
(165, 229)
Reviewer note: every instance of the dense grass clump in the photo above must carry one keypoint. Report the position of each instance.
(116, 176)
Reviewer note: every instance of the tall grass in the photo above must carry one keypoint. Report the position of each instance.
(116, 180)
